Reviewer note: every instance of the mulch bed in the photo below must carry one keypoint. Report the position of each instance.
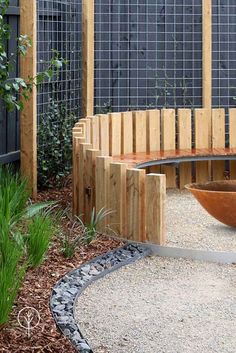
(36, 289)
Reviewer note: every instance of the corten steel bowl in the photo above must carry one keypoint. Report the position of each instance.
(218, 198)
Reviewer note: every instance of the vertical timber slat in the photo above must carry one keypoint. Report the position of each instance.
(75, 180)
(136, 204)
(117, 198)
(168, 143)
(139, 131)
(95, 132)
(155, 208)
(127, 132)
(207, 53)
(88, 57)
(104, 134)
(89, 183)
(184, 142)
(201, 120)
(218, 141)
(232, 139)
(102, 187)
(153, 130)
(83, 147)
(28, 118)
(115, 134)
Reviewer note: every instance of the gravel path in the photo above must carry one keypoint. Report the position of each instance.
(190, 226)
(161, 306)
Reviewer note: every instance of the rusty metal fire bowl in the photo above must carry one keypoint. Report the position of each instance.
(218, 198)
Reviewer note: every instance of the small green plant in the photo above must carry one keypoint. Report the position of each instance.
(25, 233)
(40, 232)
(105, 108)
(12, 271)
(55, 136)
(88, 232)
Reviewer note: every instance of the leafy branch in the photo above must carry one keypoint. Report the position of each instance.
(13, 91)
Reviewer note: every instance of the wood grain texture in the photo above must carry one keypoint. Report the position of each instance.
(127, 132)
(184, 142)
(102, 187)
(155, 208)
(232, 140)
(201, 122)
(104, 134)
(87, 57)
(136, 204)
(95, 135)
(115, 134)
(168, 143)
(87, 123)
(207, 53)
(218, 141)
(89, 183)
(117, 199)
(153, 130)
(139, 131)
(75, 173)
(28, 117)
(83, 147)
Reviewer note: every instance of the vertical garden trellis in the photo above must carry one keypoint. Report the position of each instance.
(120, 56)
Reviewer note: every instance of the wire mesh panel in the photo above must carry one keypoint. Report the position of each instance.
(148, 53)
(224, 59)
(59, 29)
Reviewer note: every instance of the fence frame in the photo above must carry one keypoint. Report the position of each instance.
(28, 68)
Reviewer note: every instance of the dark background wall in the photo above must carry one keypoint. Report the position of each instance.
(9, 122)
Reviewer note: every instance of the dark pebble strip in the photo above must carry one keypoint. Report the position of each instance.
(65, 292)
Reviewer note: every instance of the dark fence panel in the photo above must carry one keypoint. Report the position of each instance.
(9, 122)
(148, 53)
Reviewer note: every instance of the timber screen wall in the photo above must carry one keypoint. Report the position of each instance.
(147, 54)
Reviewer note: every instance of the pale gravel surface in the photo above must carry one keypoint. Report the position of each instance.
(190, 226)
(160, 305)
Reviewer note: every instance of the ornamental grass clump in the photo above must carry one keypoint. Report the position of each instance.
(25, 234)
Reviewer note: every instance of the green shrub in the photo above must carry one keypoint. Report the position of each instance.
(55, 144)
(25, 232)
(11, 271)
(40, 232)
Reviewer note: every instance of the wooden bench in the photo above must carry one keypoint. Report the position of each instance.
(125, 161)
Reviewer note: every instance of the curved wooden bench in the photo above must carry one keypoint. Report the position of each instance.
(125, 161)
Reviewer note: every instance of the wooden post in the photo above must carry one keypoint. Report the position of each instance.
(104, 134)
(139, 131)
(184, 142)
(102, 187)
(115, 134)
(207, 53)
(90, 183)
(88, 57)
(83, 147)
(232, 139)
(153, 130)
(126, 132)
(202, 141)
(168, 143)
(155, 208)
(218, 141)
(117, 198)
(28, 117)
(136, 204)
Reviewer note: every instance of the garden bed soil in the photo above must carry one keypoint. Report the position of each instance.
(36, 288)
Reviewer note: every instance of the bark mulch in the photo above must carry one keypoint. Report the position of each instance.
(36, 288)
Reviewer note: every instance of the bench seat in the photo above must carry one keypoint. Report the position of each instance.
(174, 157)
